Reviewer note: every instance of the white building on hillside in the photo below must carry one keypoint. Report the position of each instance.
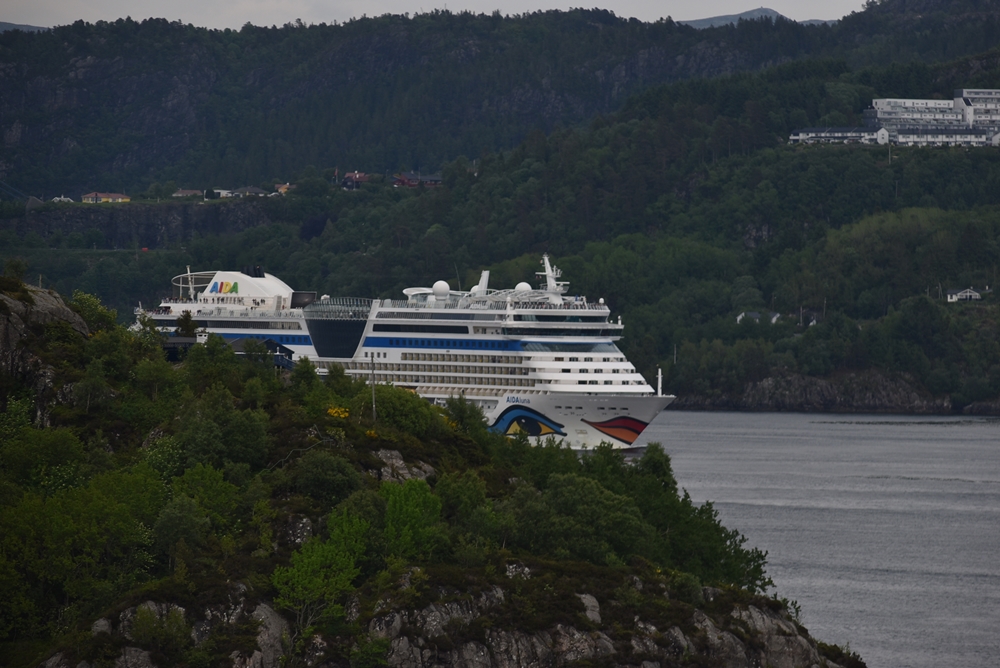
(971, 118)
(946, 136)
(861, 135)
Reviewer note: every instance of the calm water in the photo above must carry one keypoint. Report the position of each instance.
(885, 529)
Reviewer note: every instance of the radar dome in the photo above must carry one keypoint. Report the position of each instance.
(441, 290)
(522, 287)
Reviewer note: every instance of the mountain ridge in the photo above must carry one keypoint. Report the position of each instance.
(749, 15)
(19, 26)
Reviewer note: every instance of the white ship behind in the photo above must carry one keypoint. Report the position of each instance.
(536, 361)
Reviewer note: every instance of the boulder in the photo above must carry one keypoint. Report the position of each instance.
(783, 646)
(592, 609)
(273, 632)
(397, 470)
(133, 657)
(102, 625)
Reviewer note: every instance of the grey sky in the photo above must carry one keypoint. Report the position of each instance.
(235, 13)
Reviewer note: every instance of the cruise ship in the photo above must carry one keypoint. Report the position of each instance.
(535, 360)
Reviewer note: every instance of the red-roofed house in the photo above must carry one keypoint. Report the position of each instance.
(353, 180)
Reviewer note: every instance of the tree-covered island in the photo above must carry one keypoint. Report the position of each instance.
(220, 511)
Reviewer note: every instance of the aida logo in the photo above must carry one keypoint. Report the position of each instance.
(225, 288)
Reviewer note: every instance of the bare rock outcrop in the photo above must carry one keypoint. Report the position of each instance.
(133, 657)
(748, 637)
(397, 470)
(19, 319)
(273, 631)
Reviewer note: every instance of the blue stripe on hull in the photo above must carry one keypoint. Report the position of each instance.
(284, 339)
(440, 344)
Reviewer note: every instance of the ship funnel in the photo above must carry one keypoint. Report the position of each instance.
(484, 282)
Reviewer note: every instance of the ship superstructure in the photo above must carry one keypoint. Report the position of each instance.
(536, 361)
(248, 304)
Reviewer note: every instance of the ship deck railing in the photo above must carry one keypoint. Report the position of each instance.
(495, 305)
(216, 312)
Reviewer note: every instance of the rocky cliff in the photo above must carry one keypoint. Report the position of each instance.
(869, 391)
(731, 636)
(481, 628)
(143, 225)
(24, 314)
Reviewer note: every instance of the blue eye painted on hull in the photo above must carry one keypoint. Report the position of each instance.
(521, 420)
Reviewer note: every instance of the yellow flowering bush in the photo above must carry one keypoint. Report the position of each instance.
(338, 412)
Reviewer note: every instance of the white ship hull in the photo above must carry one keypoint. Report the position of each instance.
(582, 420)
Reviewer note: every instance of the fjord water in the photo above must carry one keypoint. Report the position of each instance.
(885, 529)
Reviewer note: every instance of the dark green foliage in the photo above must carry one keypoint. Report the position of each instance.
(186, 326)
(600, 509)
(412, 521)
(400, 409)
(578, 518)
(326, 477)
(169, 636)
(95, 314)
(193, 497)
(841, 656)
(370, 653)
(218, 432)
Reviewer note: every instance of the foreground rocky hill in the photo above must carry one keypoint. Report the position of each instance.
(217, 512)
(414, 624)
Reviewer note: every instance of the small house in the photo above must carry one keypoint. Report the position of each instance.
(756, 316)
(353, 180)
(415, 179)
(249, 191)
(98, 198)
(966, 295)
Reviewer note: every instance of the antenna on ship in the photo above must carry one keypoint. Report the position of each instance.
(372, 361)
(552, 273)
(659, 381)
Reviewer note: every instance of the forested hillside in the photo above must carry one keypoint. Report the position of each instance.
(682, 210)
(116, 106)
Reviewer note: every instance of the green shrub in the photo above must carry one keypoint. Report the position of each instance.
(326, 477)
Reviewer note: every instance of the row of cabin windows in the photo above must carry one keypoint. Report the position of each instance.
(453, 380)
(588, 371)
(481, 359)
(442, 357)
(451, 343)
(443, 368)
